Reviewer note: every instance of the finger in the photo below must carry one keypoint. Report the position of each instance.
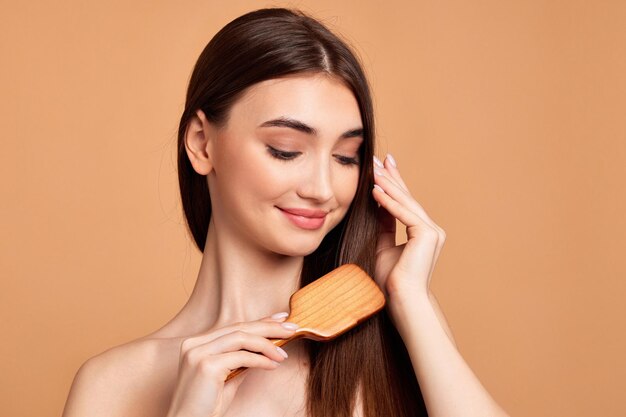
(412, 221)
(379, 167)
(282, 316)
(233, 360)
(221, 365)
(395, 208)
(394, 191)
(238, 340)
(391, 171)
(268, 328)
(391, 166)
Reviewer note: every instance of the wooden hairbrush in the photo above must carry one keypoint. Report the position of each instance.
(331, 305)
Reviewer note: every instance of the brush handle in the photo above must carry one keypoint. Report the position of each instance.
(277, 342)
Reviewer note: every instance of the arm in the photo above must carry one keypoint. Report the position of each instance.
(448, 385)
(106, 384)
(85, 390)
(441, 317)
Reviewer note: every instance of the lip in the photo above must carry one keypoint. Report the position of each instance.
(305, 212)
(305, 218)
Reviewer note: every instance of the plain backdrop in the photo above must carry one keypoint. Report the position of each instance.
(507, 122)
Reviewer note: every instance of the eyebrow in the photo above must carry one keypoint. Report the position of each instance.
(302, 127)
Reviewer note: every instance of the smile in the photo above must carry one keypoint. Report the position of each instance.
(305, 218)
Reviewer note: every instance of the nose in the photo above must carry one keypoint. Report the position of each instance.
(315, 182)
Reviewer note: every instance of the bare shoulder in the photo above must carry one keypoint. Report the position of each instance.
(120, 380)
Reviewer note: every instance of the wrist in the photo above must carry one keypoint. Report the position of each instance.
(404, 306)
(406, 299)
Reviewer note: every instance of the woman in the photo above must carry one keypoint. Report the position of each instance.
(279, 186)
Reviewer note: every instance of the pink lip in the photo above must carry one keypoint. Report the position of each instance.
(305, 212)
(305, 218)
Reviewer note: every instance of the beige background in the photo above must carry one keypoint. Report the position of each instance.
(506, 118)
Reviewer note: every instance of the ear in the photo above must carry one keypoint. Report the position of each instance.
(199, 140)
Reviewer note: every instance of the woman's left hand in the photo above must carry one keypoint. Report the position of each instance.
(403, 271)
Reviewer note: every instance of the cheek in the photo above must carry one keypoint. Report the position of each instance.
(271, 180)
(251, 176)
(347, 183)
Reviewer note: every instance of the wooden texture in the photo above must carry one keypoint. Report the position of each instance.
(331, 305)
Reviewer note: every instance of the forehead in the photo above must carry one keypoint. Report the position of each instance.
(323, 101)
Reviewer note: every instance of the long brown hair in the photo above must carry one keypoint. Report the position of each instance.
(270, 43)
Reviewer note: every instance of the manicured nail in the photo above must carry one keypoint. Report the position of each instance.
(379, 188)
(282, 352)
(392, 161)
(290, 326)
(377, 162)
(378, 172)
(281, 315)
(276, 363)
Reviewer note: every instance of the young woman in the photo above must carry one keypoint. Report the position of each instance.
(279, 186)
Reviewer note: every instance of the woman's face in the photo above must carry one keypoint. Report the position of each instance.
(285, 167)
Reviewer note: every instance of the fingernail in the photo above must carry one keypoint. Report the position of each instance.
(282, 352)
(379, 188)
(378, 172)
(280, 315)
(289, 326)
(377, 162)
(392, 161)
(276, 363)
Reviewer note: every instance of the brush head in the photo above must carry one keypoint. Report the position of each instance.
(335, 303)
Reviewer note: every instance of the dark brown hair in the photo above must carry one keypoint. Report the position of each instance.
(271, 43)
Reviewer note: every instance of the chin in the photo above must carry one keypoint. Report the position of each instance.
(298, 247)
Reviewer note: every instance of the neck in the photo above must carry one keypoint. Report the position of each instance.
(238, 282)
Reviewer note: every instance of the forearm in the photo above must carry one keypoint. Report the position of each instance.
(442, 318)
(448, 385)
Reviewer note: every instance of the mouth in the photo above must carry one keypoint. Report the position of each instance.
(305, 218)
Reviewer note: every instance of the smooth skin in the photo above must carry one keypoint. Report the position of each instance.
(206, 361)
(252, 172)
(448, 385)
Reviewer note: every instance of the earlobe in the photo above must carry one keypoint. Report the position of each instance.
(198, 143)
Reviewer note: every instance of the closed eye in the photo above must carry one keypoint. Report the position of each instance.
(282, 155)
(346, 160)
(287, 156)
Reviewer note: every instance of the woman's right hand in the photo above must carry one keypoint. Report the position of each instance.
(206, 360)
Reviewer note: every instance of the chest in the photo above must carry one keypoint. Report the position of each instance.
(281, 392)
(277, 393)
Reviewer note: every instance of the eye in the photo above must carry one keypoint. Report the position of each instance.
(282, 155)
(346, 160)
(287, 156)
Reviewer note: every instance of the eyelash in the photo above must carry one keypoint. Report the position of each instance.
(287, 156)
